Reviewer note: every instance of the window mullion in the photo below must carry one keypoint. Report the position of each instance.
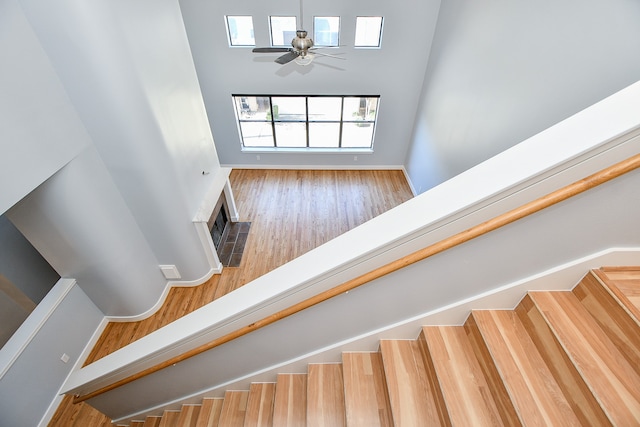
(273, 124)
(306, 115)
(341, 118)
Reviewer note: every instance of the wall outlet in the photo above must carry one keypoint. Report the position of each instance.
(170, 271)
(258, 157)
(355, 158)
(64, 357)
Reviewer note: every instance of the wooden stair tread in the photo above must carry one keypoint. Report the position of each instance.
(234, 408)
(210, 412)
(260, 405)
(464, 387)
(625, 284)
(290, 402)
(169, 419)
(152, 421)
(366, 398)
(136, 424)
(325, 395)
(189, 415)
(410, 397)
(603, 367)
(535, 394)
(595, 294)
(573, 386)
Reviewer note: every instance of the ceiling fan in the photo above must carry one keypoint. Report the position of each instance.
(302, 50)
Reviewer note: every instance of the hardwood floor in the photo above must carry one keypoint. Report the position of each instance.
(291, 212)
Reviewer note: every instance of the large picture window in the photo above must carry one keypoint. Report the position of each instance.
(310, 122)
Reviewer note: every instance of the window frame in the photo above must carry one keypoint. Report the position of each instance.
(272, 122)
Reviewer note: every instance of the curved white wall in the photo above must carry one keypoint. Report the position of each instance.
(116, 98)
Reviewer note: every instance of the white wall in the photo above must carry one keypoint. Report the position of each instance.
(128, 70)
(394, 72)
(23, 265)
(104, 138)
(39, 129)
(502, 71)
(110, 90)
(80, 223)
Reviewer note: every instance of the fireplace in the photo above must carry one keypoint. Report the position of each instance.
(218, 220)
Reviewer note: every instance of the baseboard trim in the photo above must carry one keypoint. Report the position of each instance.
(164, 295)
(315, 167)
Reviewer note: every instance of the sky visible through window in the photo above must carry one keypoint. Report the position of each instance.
(283, 30)
(240, 29)
(368, 31)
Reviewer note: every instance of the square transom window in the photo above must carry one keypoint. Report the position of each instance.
(283, 30)
(326, 31)
(240, 31)
(368, 31)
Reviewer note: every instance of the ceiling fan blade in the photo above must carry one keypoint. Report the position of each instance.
(271, 49)
(287, 57)
(315, 52)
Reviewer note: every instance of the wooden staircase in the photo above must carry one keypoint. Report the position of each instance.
(560, 358)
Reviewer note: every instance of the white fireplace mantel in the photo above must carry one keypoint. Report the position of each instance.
(219, 184)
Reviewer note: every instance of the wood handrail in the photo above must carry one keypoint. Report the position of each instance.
(501, 220)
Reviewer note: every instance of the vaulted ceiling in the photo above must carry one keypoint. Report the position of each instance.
(395, 71)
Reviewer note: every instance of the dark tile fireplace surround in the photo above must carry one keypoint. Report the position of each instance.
(229, 238)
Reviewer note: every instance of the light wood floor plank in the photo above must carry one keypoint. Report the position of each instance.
(290, 403)
(260, 405)
(325, 395)
(365, 389)
(612, 380)
(536, 396)
(291, 212)
(464, 387)
(210, 412)
(234, 409)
